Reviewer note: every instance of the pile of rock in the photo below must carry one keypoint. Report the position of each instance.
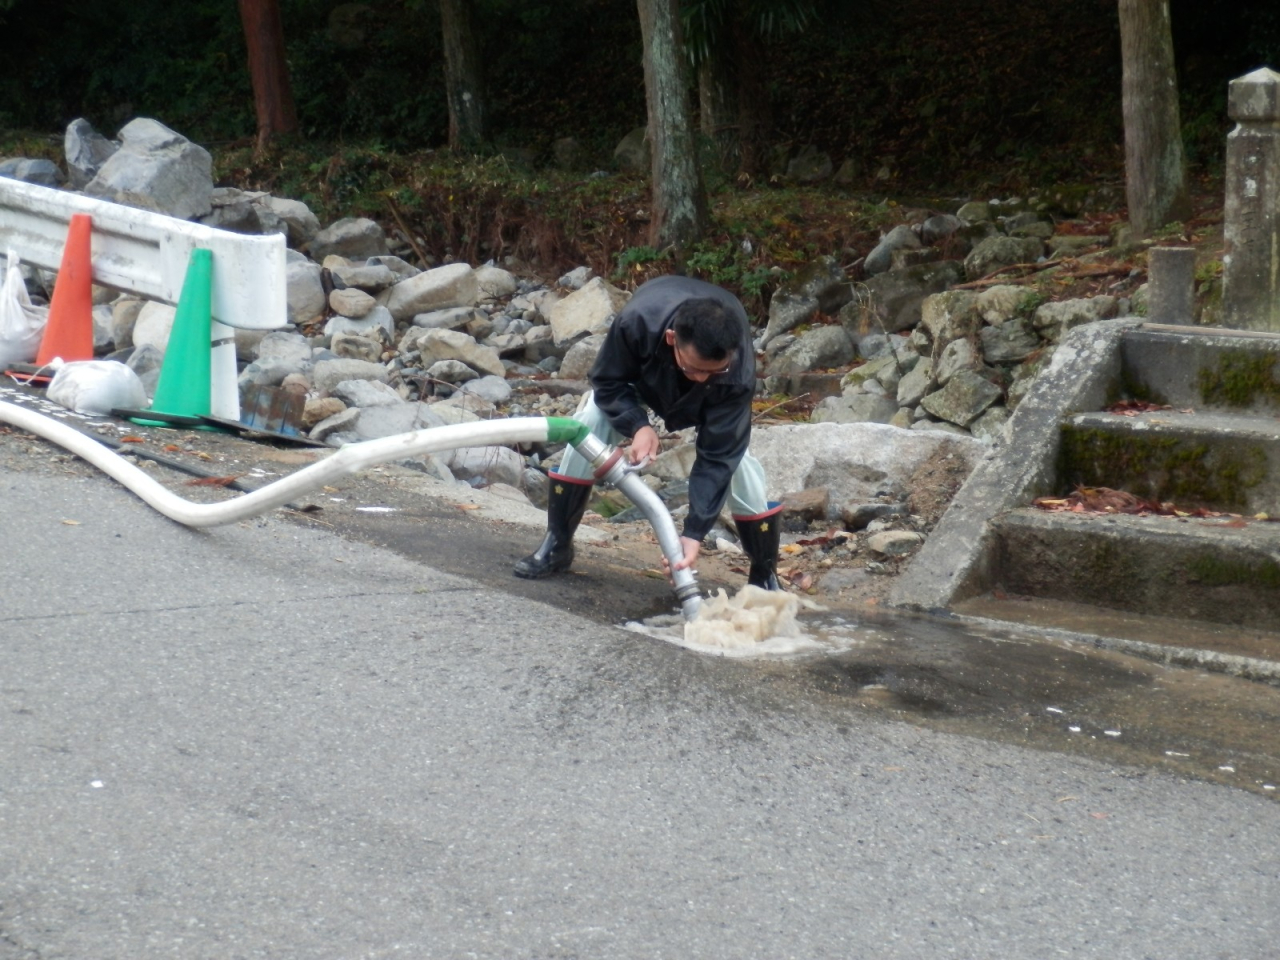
(937, 347)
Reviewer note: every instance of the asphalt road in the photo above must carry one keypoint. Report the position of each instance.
(267, 740)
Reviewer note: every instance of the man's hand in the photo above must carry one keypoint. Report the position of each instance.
(644, 445)
(691, 550)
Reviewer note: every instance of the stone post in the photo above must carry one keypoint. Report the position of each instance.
(1251, 259)
(1171, 284)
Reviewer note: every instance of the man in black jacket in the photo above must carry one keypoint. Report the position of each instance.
(682, 348)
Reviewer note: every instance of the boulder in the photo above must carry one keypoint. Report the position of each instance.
(41, 172)
(963, 399)
(858, 462)
(494, 283)
(350, 302)
(327, 374)
(827, 346)
(1052, 320)
(300, 224)
(376, 323)
(1000, 251)
(156, 169)
(950, 316)
(632, 154)
(854, 408)
(86, 150)
(369, 277)
(365, 393)
(355, 238)
(454, 285)
(486, 464)
(453, 345)
(451, 371)
(881, 258)
(304, 291)
(153, 325)
(590, 310)
(581, 357)
(1010, 342)
(891, 302)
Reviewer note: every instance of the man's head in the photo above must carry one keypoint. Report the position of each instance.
(704, 337)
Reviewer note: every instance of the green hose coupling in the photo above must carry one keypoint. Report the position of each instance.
(566, 430)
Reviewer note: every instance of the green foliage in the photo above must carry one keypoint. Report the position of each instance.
(635, 260)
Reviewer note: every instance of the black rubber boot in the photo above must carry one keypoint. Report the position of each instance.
(759, 536)
(566, 504)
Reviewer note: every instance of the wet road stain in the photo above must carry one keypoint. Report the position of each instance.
(1013, 685)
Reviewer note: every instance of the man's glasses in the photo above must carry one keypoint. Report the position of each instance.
(696, 373)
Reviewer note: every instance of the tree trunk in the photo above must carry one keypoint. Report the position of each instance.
(268, 69)
(718, 108)
(1155, 175)
(754, 118)
(463, 77)
(679, 215)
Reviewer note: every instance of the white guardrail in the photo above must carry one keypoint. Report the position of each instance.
(146, 253)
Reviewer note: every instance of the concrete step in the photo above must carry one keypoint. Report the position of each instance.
(1228, 370)
(1219, 571)
(1250, 652)
(1220, 461)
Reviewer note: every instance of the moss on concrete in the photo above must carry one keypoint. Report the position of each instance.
(1217, 571)
(1165, 468)
(1242, 379)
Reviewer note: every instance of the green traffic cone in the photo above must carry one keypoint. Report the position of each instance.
(183, 391)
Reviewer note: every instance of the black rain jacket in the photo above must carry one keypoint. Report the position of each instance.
(636, 366)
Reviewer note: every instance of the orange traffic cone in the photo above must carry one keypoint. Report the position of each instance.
(69, 332)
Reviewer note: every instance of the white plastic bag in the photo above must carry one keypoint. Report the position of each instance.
(96, 387)
(21, 323)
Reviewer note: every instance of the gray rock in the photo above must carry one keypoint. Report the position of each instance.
(402, 269)
(304, 291)
(494, 283)
(327, 374)
(451, 371)
(913, 387)
(810, 165)
(975, 211)
(951, 315)
(377, 323)
(939, 227)
(586, 311)
(957, 355)
(371, 278)
(989, 427)
(1052, 320)
(827, 346)
(300, 224)
(854, 408)
(580, 358)
(41, 172)
(995, 252)
(1011, 342)
(354, 238)
(454, 285)
(507, 344)
(890, 302)
(453, 318)
(540, 344)
(632, 154)
(86, 150)
(365, 393)
(880, 259)
(786, 312)
(486, 464)
(436, 345)
(963, 399)
(357, 347)
(388, 420)
(350, 302)
(576, 278)
(1003, 302)
(156, 169)
(894, 543)
(493, 389)
(343, 422)
(286, 345)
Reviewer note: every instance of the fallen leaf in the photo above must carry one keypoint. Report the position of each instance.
(791, 548)
(132, 439)
(71, 523)
(468, 506)
(204, 456)
(212, 481)
(1099, 816)
(172, 447)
